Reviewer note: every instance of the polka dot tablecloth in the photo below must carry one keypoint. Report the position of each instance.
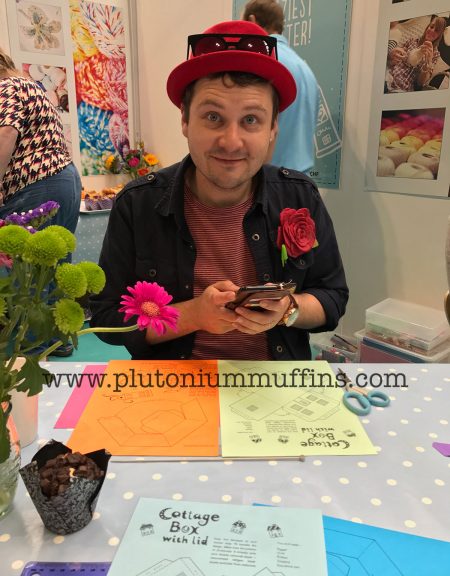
(404, 487)
(90, 232)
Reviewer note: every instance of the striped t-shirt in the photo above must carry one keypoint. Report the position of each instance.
(222, 254)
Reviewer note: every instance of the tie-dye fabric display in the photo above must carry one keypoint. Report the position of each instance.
(83, 43)
(118, 132)
(93, 125)
(100, 76)
(92, 163)
(106, 27)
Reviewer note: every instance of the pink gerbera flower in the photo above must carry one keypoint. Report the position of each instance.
(5, 260)
(148, 303)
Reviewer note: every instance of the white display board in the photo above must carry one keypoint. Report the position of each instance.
(409, 135)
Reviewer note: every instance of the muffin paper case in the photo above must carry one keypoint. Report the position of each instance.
(73, 509)
(91, 203)
(106, 203)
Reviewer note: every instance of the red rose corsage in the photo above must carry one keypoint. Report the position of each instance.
(296, 233)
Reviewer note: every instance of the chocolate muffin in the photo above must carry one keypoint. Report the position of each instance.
(57, 473)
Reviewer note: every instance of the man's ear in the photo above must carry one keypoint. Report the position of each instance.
(274, 129)
(184, 124)
(252, 18)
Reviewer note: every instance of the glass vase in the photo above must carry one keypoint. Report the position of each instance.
(9, 470)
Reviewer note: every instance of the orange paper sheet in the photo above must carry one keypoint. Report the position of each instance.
(152, 408)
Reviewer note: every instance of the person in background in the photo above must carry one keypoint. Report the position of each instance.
(410, 65)
(218, 220)
(294, 144)
(35, 165)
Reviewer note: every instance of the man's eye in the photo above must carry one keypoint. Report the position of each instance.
(213, 117)
(250, 120)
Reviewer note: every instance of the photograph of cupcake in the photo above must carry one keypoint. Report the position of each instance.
(410, 143)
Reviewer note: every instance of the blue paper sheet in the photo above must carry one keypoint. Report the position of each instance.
(355, 549)
(361, 550)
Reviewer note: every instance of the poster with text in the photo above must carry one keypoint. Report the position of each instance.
(318, 31)
(409, 132)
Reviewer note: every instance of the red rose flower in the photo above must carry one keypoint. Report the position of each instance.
(297, 231)
(143, 171)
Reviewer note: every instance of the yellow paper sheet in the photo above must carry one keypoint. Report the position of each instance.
(286, 409)
(147, 408)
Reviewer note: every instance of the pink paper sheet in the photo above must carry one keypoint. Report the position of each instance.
(444, 449)
(79, 398)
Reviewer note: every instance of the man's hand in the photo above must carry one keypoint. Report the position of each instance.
(252, 322)
(205, 312)
(211, 314)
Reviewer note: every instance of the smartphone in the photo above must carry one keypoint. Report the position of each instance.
(250, 296)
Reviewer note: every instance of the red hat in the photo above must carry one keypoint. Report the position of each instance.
(266, 67)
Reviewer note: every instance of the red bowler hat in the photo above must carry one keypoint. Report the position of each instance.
(235, 46)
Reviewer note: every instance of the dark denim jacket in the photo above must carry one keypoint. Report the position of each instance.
(147, 239)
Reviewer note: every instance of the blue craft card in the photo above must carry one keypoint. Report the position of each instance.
(359, 550)
(355, 549)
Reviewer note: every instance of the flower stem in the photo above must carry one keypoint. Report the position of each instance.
(87, 331)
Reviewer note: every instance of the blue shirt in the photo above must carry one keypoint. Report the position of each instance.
(294, 147)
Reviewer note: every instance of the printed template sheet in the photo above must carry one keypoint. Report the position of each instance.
(286, 409)
(142, 409)
(168, 538)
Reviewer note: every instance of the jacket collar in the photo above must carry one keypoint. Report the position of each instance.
(172, 202)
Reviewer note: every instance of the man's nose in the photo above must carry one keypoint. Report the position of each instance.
(230, 137)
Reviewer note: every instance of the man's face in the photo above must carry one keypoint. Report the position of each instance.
(228, 134)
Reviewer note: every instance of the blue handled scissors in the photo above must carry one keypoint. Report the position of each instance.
(360, 401)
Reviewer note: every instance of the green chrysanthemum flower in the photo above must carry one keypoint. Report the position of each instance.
(13, 239)
(66, 235)
(69, 316)
(45, 247)
(2, 307)
(95, 276)
(72, 280)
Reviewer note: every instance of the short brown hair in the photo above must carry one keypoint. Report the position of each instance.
(238, 78)
(6, 63)
(268, 14)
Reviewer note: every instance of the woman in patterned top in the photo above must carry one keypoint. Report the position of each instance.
(35, 165)
(410, 66)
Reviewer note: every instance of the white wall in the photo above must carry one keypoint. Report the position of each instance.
(4, 35)
(164, 28)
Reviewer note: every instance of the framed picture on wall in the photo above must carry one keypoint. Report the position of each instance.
(79, 53)
(409, 125)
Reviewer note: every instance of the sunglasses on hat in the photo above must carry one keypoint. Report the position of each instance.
(199, 44)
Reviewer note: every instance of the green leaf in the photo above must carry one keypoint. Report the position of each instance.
(4, 438)
(284, 254)
(31, 376)
(41, 322)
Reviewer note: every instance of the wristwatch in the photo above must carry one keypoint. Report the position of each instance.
(291, 314)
